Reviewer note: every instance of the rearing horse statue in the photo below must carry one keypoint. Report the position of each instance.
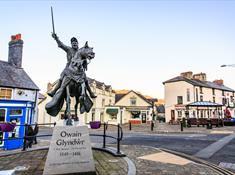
(73, 85)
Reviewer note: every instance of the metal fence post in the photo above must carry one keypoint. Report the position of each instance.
(130, 125)
(25, 134)
(104, 136)
(118, 140)
(181, 126)
(152, 125)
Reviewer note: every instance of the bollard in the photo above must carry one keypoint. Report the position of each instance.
(152, 125)
(130, 125)
(181, 126)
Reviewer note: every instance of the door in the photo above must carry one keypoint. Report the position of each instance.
(143, 117)
(18, 116)
(2, 119)
(172, 115)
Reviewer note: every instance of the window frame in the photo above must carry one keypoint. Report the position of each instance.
(6, 96)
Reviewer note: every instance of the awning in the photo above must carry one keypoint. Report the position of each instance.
(112, 111)
(204, 104)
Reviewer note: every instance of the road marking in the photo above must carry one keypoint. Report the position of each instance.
(214, 147)
(227, 165)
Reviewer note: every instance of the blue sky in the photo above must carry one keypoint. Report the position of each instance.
(138, 44)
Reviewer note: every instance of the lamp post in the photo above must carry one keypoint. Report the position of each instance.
(228, 65)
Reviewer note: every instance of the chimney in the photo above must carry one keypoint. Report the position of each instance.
(188, 74)
(15, 51)
(219, 82)
(201, 76)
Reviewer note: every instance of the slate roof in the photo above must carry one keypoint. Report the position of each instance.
(99, 84)
(119, 96)
(200, 83)
(11, 76)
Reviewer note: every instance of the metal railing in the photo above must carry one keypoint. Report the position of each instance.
(26, 138)
(104, 135)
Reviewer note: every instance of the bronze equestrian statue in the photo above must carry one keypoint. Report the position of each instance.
(73, 81)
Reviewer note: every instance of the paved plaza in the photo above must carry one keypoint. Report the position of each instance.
(139, 159)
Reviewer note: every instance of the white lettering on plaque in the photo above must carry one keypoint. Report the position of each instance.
(70, 151)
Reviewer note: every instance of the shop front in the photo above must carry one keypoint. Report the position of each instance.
(20, 113)
(139, 115)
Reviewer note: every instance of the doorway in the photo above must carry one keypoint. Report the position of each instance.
(172, 115)
(143, 117)
(2, 119)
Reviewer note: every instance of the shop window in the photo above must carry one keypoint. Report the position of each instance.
(179, 100)
(135, 114)
(5, 93)
(2, 115)
(179, 114)
(231, 99)
(16, 112)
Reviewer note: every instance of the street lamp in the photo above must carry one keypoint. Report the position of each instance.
(228, 65)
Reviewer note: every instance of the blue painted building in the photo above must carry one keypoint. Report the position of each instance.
(18, 95)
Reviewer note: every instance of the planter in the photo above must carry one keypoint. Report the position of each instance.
(95, 124)
(7, 127)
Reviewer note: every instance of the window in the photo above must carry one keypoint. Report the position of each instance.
(224, 101)
(93, 116)
(5, 93)
(188, 95)
(179, 114)
(213, 91)
(201, 92)
(196, 94)
(213, 99)
(231, 99)
(103, 102)
(133, 101)
(201, 98)
(16, 112)
(179, 100)
(222, 93)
